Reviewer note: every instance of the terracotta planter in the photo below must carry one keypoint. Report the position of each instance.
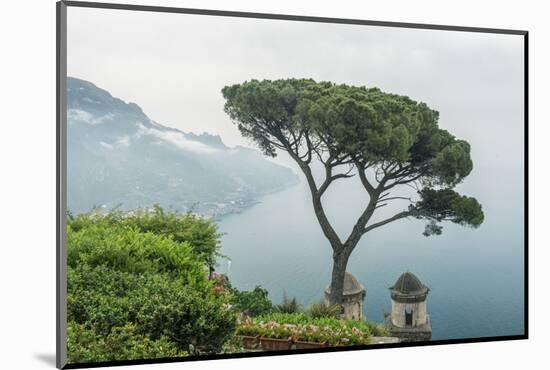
(249, 342)
(307, 345)
(272, 344)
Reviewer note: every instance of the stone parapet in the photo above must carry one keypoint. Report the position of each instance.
(421, 333)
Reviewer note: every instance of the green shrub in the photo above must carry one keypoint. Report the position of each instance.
(85, 345)
(129, 250)
(251, 303)
(288, 305)
(234, 345)
(158, 304)
(378, 330)
(321, 309)
(157, 288)
(197, 321)
(201, 234)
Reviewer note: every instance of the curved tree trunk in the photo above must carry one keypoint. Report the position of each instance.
(341, 251)
(340, 259)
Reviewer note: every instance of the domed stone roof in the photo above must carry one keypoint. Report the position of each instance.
(351, 285)
(409, 284)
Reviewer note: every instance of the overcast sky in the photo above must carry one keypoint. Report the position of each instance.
(174, 66)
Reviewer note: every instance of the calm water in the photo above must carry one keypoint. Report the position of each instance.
(475, 276)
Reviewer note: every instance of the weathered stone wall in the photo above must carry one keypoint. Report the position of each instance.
(352, 305)
(353, 309)
(420, 333)
(419, 311)
(413, 336)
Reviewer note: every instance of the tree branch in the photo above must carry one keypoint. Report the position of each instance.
(309, 148)
(403, 182)
(357, 231)
(275, 144)
(394, 198)
(366, 184)
(326, 227)
(324, 186)
(396, 217)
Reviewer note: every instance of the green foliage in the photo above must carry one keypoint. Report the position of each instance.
(378, 330)
(85, 345)
(201, 234)
(197, 321)
(234, 345)
(252, 303)
(446, 204)
(452, 163)
(127, 249)
(365, 122)
(192, 316)
(129, 287)
(321, 309)
(392, 136)
(302, 327)
(288, 305)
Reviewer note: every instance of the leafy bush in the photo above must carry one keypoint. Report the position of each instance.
(85, 345)
(321, 309)
(201, 234)
(252, 303)
(234, 345)
(129, 250)
(302, 327)
(378, 330)
(159, 306)
(197, 321)
(288, 305)
(129, 287)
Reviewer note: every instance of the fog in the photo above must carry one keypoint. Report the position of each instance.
(174, 66)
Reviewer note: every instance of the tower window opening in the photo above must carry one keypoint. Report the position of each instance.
(408, 317)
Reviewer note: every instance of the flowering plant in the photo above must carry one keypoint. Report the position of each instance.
(304, 328)
(269, 329)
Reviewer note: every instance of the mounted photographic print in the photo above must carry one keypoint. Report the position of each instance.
(239, 184)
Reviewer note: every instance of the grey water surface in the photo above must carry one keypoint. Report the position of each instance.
(475, 276)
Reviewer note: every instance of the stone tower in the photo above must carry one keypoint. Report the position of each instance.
(354, 295)
(409, 319)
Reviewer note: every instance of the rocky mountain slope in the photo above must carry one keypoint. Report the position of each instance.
(117, 156)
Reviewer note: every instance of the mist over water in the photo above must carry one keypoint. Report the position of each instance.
(475, 276)
(474, 80)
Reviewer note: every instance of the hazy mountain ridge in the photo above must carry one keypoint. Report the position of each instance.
(116, 155)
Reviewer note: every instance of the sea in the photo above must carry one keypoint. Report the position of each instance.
(475, 276)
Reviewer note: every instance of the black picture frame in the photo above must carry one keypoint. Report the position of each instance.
(61, 118)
